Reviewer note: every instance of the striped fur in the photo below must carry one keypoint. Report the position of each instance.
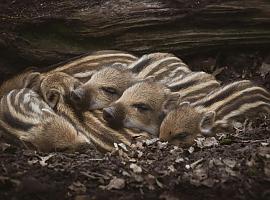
(99, 133)
(163, 66)
(215, 112)
(108, 84)
(81, 67)
(194, 86)
(26, 116)
(234, 100)
(143, 105)
(91, 124)
(19, 81)
(97, 130)
(149, 64)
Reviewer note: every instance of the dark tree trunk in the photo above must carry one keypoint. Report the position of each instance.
(42, 32)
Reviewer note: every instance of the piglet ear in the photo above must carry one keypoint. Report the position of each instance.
(207, 123)
(52, 97)
(171, 102)
(32, 81)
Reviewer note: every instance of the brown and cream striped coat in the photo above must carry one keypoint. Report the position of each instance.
(26, 116)
(216, 112)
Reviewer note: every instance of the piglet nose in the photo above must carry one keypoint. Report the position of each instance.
(111, 115)
(77, 95)
(108, 114)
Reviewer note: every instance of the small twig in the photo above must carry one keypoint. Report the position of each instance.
(251, 141)
(193, 165)
(89, 175)
(100, 175)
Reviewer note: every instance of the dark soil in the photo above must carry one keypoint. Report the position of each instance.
(234, 166)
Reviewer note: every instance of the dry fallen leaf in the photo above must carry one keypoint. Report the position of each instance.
(178, 160)
(200, 174)
(191, 150)
(44, 159)
(162, 145)
(171, 168)
(217, 162)
(140, 154)
(210, 142)
(265, 144)
(33, 161)
(115, 183)
(135, 168)
(152, 141)
(203, 142)
(265, 69)
(194, 164)
(138, 145)
(199, 142)
(187, 166)
(4, 146)
(125, 173)
(132, 160)
(176, 150)
(123, 146)
(238, 125)
(230, 163)
(231, 172)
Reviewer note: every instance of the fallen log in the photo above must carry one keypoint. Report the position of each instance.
(44, 32)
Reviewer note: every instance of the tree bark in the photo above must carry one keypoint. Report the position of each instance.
(43, 32)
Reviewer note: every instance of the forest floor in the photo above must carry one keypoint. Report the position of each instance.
(231, 166)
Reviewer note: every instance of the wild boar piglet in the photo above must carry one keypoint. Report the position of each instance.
(26, 116)
(218, 111)
(103, 88)
(54, 87)
(141, 106)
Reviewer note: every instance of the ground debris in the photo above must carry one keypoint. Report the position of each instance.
(203, 142)
(229, 162)
(115, 183)
(44, 159)
(136, 169)
(77, 187)
(265, 69)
